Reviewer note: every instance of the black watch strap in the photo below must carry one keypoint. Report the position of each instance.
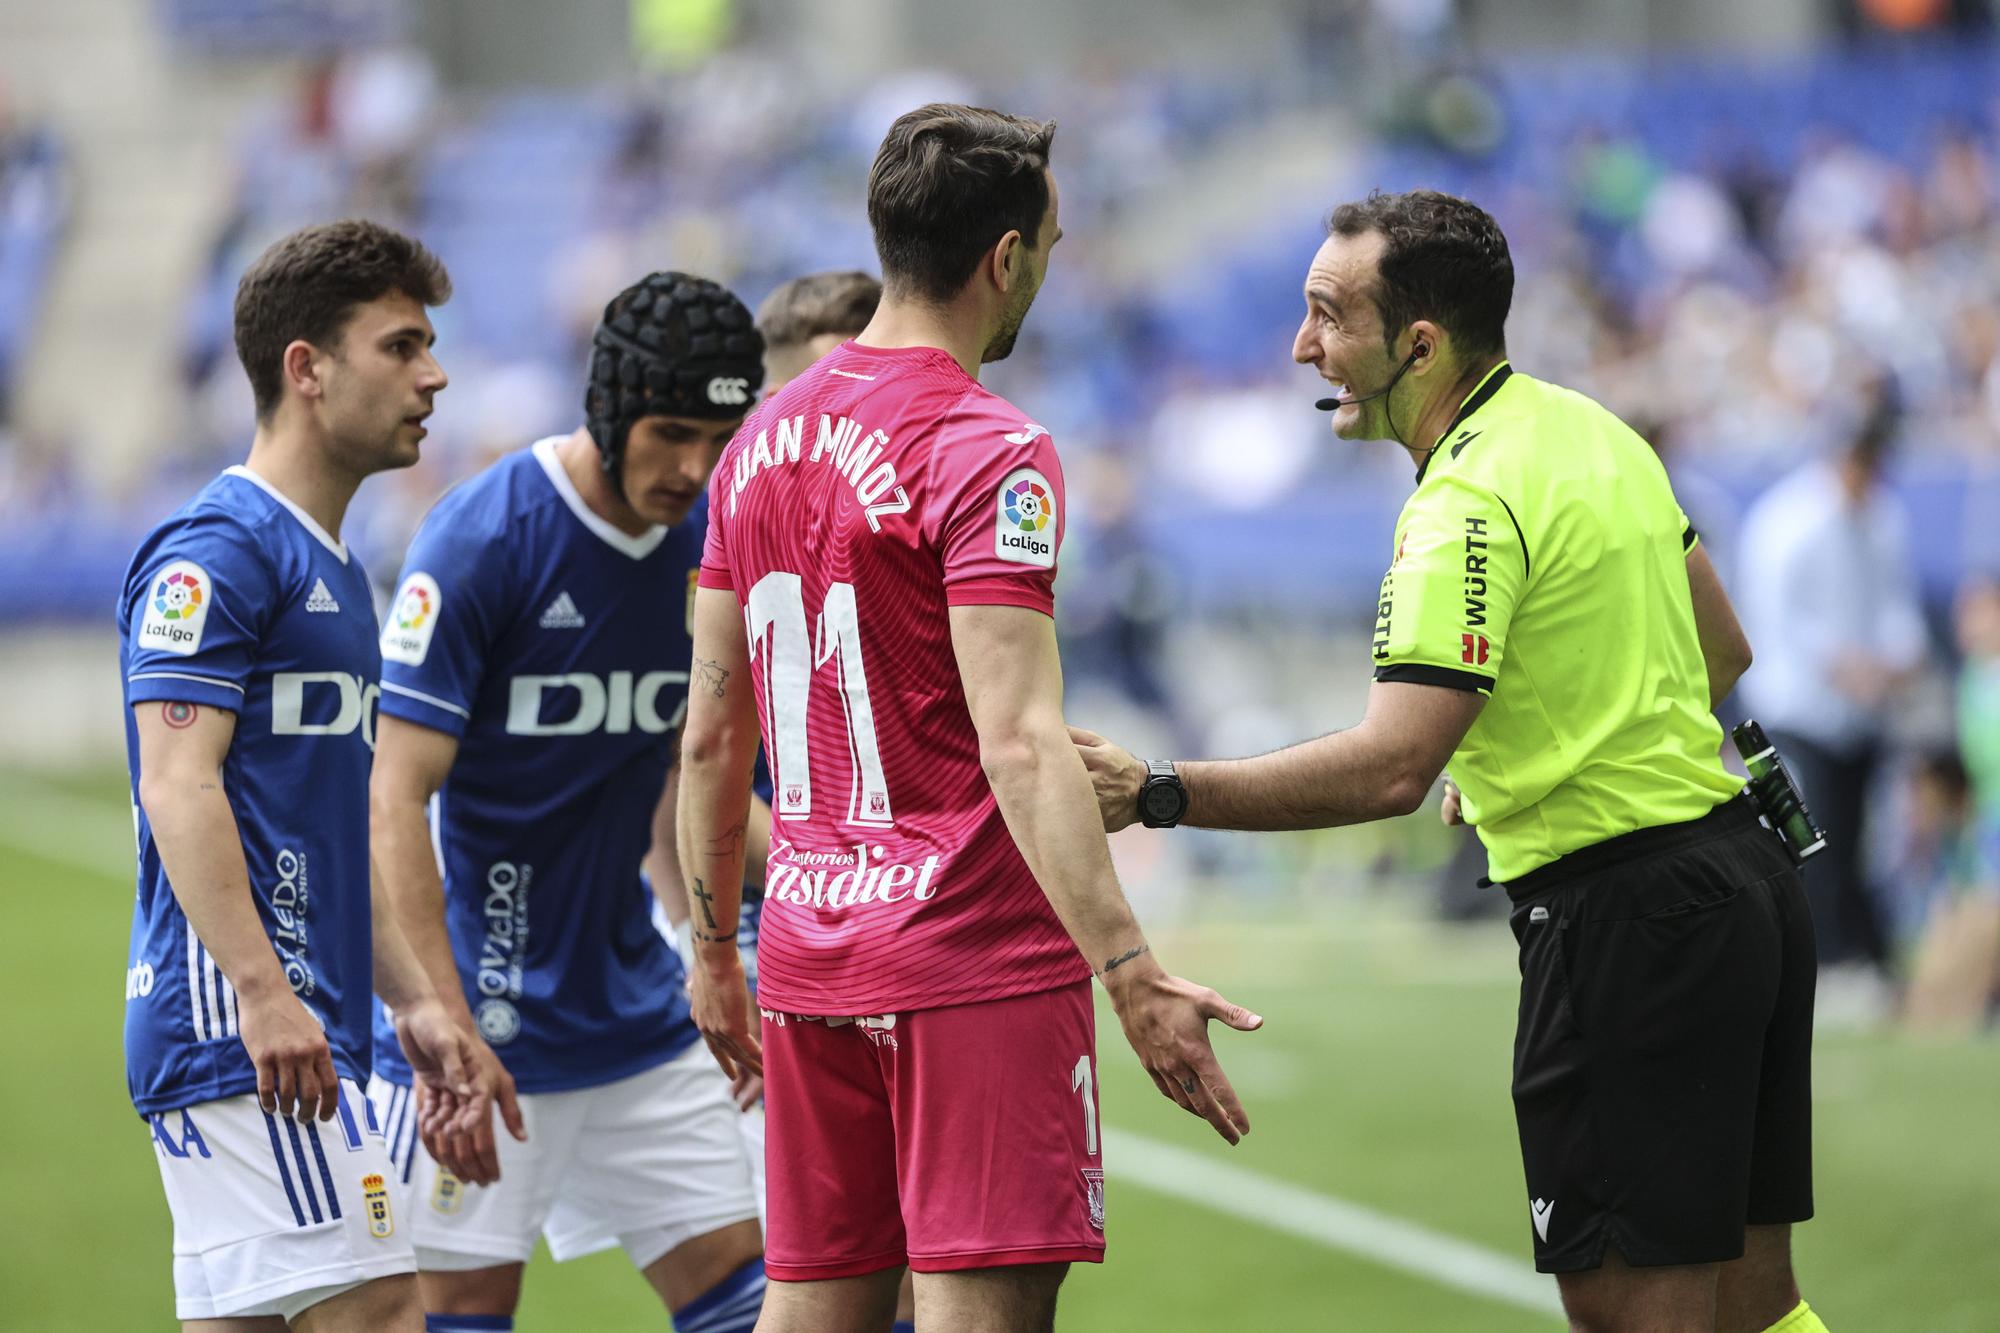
(1163, 797)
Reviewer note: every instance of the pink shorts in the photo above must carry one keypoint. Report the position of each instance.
(947, 1139)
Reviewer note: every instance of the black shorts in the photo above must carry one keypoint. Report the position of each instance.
(1663, 1058)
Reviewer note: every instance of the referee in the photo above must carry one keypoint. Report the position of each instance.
(1551, 627)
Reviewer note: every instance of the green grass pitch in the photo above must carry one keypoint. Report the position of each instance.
(1380, 1079)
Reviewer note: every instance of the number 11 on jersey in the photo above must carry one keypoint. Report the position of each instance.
(775, 616)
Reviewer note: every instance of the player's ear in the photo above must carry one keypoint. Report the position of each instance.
(301, 369)
(1008, 261)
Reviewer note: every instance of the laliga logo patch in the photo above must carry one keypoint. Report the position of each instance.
(728, 391)
(177, 605)
(1025, 522)
(375, 1200)
(406, 636)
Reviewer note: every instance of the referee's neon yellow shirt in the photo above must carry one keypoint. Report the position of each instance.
(1542, 561)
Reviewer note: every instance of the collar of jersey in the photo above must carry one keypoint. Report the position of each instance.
(306, 520)
(1482, 394)
(638, 547)
(920, 352)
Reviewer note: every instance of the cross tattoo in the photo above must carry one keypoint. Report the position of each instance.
(706, 898)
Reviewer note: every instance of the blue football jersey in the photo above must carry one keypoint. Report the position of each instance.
(241, 601)
(556, 648)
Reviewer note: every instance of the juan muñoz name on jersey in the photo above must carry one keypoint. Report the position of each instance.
(850, 514)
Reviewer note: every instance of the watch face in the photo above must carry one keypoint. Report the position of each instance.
(1161, 801)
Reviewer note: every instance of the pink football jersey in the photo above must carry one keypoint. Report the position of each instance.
(850, 512)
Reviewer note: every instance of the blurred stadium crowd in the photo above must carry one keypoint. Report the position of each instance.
(1755, 263)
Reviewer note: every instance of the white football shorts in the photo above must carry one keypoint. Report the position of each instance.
(272, 1216)
(646, 1163)
(750, 1124)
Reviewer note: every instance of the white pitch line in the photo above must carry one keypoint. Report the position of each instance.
(1334, 1223)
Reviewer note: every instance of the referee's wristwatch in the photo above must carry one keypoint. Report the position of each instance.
(1163, 798)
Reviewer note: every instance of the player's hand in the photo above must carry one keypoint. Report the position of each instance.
(1115, 775)
(746, 1089)
(295, 1074)
(460, 1082)
(720, 999)
(1450, 810)
(1166, 1020)
(458, 1132)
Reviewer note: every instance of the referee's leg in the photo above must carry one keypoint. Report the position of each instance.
(1758, 1290)
(1754, 1294)
(1616, 1297)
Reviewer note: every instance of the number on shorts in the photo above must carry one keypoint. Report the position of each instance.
(776, 608)
(1081, 1083)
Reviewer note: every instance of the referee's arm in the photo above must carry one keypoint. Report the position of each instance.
(1384, 766)
(1725, 649)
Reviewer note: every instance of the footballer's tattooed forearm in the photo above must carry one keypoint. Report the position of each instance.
(699, 892)
(1124, 958)
(730, 841)
(714, 934)
(710, 676)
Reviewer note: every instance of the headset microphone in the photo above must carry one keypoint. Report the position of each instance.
(1334, 404)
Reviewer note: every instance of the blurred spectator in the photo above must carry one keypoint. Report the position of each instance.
(1978, 616)
(1950, 859)
(34, 203)
(1828, 597)
(381, 106)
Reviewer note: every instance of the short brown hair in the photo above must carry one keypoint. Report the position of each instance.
(306, 286)
(818, 303)
(1443, 259)
(948, 182)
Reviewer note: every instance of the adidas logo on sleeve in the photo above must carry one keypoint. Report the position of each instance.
(321, 599)
(562, 614)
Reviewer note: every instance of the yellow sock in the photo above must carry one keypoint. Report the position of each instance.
(1800, 1320)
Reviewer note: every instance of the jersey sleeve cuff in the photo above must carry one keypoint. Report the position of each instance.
(718, 579)
(167, 685)
(1689, 536)
(1000, 592)
(426, 710)
(1422, 673)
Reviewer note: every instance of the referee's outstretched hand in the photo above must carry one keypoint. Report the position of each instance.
(1166, 1020)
